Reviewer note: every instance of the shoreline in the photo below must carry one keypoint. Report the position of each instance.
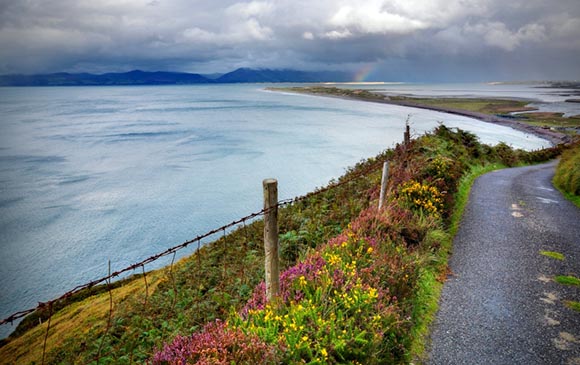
(552, 136)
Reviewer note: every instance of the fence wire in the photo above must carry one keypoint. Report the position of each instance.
(172, 250)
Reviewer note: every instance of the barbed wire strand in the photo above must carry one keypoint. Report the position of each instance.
(20, 314)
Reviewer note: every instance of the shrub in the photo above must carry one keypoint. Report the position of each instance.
(334, 307)
(505, 154)
(423, 197)
(217, 344)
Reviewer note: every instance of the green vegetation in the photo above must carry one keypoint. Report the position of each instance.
(333, 91)
(567, 177)
(567, 280)
(486, 106)
(359, 286)
(575, 199)
(552, 120)
(573, 305)
(553, 254)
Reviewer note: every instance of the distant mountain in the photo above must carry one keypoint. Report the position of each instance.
(137, 77)
(84, 79)
(212, 76)
(267, 75)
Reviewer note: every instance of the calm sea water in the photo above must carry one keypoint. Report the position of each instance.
(92, 174)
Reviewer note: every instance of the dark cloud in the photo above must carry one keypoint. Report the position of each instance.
(401, 39)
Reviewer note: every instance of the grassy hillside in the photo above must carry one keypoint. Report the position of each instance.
(359, 287)
(567, 177)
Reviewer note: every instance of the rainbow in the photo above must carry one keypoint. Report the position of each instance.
(364, 72)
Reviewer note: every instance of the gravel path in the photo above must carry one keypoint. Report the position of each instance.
(500, 305)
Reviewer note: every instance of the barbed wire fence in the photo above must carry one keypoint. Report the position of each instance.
(107, 280)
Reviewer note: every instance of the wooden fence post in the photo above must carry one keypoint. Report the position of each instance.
(384, 180)
(407, 136)
(272, 260)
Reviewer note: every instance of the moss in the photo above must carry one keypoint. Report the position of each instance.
(573, 305)
(567, 280)
(553, 254)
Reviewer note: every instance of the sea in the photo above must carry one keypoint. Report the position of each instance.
(92, 175)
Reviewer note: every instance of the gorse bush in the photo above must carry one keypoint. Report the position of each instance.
(423, 197)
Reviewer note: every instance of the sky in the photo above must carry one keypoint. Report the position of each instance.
(390, 40)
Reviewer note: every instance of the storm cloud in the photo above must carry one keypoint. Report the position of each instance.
(409, 40)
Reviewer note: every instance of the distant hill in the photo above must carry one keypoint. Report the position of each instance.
(267, 75)
(212, 76)
(137, 77)
(84, 79)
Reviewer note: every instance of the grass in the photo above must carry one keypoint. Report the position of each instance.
(567, 176)
(545, 119)
(567, 280)
(74, 321)
(553, 254)
(333, 91)
(573, 305)
(486, 106)
(575, 199)
(426, 305)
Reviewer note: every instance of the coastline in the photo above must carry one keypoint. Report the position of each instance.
(552, 136)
